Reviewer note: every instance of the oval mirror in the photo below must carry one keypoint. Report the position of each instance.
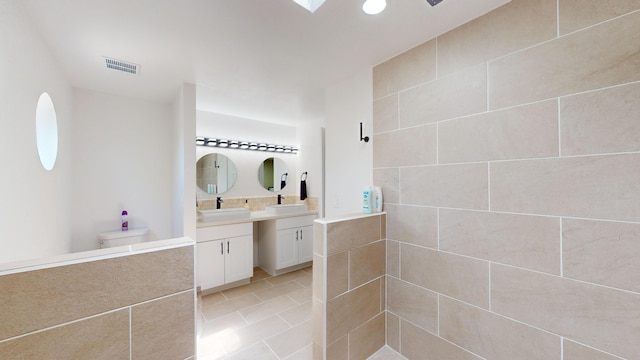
(215, 173)
(273, 174)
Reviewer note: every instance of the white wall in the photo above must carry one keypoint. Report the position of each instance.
(122, 155)
(184, 159)
(349, 161)
(34, 203)
(310, 159)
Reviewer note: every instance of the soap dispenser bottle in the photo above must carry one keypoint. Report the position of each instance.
(367, 205)
(125, 220)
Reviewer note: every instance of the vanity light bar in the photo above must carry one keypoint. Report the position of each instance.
(245, 145)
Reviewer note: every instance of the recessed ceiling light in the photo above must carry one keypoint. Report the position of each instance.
(373, 7)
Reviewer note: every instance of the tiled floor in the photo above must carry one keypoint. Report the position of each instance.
(268, 319)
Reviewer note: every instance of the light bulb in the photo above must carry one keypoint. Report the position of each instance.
(373, 7)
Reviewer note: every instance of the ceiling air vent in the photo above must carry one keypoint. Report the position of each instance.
(434, 2)
(122, 66)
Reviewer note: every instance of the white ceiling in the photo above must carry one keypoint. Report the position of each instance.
(268, 60)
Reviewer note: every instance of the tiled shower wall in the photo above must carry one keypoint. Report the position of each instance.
(138, 306)
(348, 287)
(509, 154)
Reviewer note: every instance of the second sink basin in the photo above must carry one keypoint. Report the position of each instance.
(285, 209)
(224, 214)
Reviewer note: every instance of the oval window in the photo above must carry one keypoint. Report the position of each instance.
(46, 131)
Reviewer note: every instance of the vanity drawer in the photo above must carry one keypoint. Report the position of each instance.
(296, 221)
(223, 231)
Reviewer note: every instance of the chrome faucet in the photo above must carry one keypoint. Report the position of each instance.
(218, 202)
(280, 197)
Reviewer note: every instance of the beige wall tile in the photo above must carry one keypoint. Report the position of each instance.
(413, 224)
(574, 351)
(529, 131)
(459, 277)
(319, 277)
(352, 233)
(90, 288)
(532, 242)
(164, 328)
(599, 317)
(514, 26)
(385, 114)
(458, 186)
(576, 14)
(458, 94)
(318, 321)
(388, 180)
(600, 252)
(604, 55)
(319, 239)
(411, 68)
(602, 121)
(417, 344)
(366, 263)
(393, 258)
(367, 339)
(408, 301)
(337, 274)
(104, 337)
(414, 146)
(492, 336)
(339, 350)
(393, 331)
(350, 310)
(602, 187)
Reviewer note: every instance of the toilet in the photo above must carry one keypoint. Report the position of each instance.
(121, 238)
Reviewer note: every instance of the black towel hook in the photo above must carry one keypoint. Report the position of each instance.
(284, 177)
(366, 138)
(303, 176)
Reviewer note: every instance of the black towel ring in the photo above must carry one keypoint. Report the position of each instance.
(303, 177)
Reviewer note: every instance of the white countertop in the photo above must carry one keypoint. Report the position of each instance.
(255, 216)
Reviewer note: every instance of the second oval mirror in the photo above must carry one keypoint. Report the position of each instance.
(273, 174)
(215, 173)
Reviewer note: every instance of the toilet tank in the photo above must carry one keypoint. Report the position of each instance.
(120, 238)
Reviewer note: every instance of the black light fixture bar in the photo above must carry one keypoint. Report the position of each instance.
(245, 145)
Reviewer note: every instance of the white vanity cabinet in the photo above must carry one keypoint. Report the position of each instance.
(224, 254)
(285, 243)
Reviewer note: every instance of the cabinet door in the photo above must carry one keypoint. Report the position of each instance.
(305, 244)
(239, 258)
(209, 264)
(286, 248)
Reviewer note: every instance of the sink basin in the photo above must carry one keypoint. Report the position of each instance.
(224, 214)
(285, 209)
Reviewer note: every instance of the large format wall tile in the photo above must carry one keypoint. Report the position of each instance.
(385, 114)
(105, 337)
(458, 186)
(602, 252)
(393, 258)
(408, 301)
(492, 336)
(350, 310)
(498, 33)
(367, 339)
(457, 276)
(600, 317)
(393, 331)
(604, 55)
(574, 351)
(163, 329)
(529, 131)
(459, 94)
(602, 121)
(389, 181)
(413, 224)
(337, 274)
(349, 234)
(531, 242)
(418, 344)
(577, 14)
(411, 68)
(415, 146)
(601, 187)
(366, 263)
(90, 288)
